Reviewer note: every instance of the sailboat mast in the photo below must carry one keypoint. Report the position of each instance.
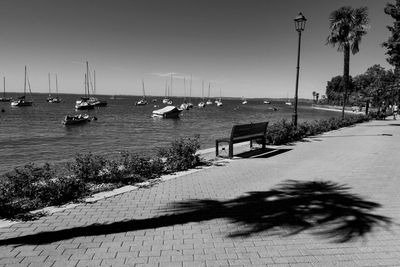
(85, 84)
(87, 79)
(144, 95)
(25, 83)
(190, 90)
(171, 85)
(94, 80)
(49, 85)
(184, 88)
(202, 89)
(4, 87)
(56, 85)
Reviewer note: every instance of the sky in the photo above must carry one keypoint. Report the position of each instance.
(245, 48)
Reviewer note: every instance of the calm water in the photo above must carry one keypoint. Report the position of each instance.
(35, 134)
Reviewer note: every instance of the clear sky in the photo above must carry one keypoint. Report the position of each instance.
(245, 48)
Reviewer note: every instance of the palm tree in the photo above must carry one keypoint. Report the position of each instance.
(313, 96)
(347, 26)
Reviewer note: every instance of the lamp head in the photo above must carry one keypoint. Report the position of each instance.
(300, 22)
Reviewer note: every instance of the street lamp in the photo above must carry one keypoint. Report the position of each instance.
(300, 23)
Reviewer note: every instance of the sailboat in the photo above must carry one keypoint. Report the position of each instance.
(84, 103)
(21, 101)
(4, 98)
(168, 92)
(190, 104)
(166, 99)
(202, 104)
(244, 101)
(94, 100)
(142, 101)
(184, 105)
(51, 99)
(288, 101)
(219, 101)
(209, 102)
(56, 99)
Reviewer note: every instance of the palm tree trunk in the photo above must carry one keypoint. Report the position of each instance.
(346, 77)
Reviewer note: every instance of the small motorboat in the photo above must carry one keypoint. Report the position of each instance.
(75, 119)
(141, 102)
(167, 112)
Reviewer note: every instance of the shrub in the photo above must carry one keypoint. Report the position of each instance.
(181, 155)
(88, 167)
(138, 168)
(283, 132)
(31, 187)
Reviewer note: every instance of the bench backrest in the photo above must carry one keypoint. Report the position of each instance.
(249, 129)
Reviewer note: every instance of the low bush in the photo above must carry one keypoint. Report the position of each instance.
(31, 187)
(283, 131)
(141, 168)
(88, 167)
(180, 155)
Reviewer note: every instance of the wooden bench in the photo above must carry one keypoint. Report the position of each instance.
(244, 132)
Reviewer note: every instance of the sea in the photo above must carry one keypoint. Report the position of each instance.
(36, 135)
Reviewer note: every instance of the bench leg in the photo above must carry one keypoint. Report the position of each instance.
(251, 143)
(216, 148)
(230, 150)
(264, 140)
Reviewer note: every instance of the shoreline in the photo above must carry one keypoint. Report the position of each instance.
(339, 109)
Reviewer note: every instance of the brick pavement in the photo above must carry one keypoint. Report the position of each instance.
(148, 226)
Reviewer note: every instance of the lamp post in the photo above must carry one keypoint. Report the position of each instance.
(300, 23)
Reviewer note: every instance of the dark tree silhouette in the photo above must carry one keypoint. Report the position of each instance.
(327, 209)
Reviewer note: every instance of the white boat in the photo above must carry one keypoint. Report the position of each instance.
(21, 101)
(244, 102)
(184, 105)
(190, 104)
(4, 98)
(94, 100)
(219, 101)
(52, 99)
(167, 112)
(209, 101)
(267, 102)
(85, 103)
(142, 101)
(288, 101)
(76, 119)
(202, 104)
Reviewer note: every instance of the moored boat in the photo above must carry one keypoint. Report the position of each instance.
(142, 101)
(21, 101)
(4, 98)
(84, 103)
(167, 112)
(75, 119)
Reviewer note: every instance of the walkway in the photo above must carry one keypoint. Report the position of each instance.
(238, 220)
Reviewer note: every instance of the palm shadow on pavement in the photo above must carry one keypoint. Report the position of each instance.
(324, 208)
